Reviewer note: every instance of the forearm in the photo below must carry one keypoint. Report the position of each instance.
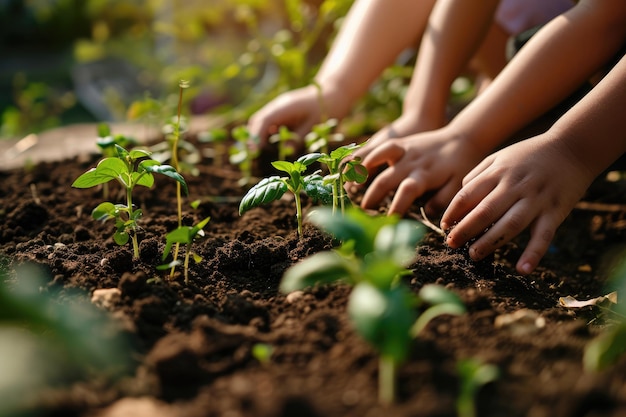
(593, 130)
(371, 37)
(454, 33)
(554, 63)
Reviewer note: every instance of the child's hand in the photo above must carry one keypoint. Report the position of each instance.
(432, 161)
(299, 110)
(534, 183)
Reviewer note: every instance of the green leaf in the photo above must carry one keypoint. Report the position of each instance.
(316, 188)
(398, 241)
(144, 179)
(355, 172)
(442, 302)
(320, 268)
(606, 349)
(168, 171)
(267, 190)
(309, 159)
(286, 166)
(105, 211)
(121, 237)
(436, 294)
(107, 169)
(169, 265)
(139, 153)
(383, 318)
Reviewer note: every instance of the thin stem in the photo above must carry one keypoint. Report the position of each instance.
(186, 264)
(298, 213)
(386, 380)
(129, 202)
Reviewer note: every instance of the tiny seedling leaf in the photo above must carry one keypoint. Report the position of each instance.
(267, 190)
(168, 171)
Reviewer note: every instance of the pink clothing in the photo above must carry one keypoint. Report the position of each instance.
(516, 16)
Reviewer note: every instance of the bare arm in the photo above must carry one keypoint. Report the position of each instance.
(371, 37)
(537, 182)
(556, 61)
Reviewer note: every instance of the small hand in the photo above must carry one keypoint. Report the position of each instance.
(534, 183)
(431, 161)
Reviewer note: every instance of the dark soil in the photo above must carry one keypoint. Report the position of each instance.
(192, 344)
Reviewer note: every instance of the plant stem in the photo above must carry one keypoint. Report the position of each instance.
(386, 380)
(129, 202)
(298, 213)
(186, 264)
(179, 202)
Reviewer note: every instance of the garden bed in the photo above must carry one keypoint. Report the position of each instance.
(192, 344)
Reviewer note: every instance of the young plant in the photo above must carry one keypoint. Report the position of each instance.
(373, 256)
(282, 138)
(106, 141)
(341, 171)
(473, 374)
(243, 154)
(130, 169)
(185, 235)
(320, 136)
(272, 188)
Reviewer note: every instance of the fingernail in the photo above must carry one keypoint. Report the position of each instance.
(526, 268)
(444, 226)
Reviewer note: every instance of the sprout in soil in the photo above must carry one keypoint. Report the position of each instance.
(341, 171)
(272, 188)
(106, 142)
(473, 374)
(282, 138)
(373, 257)
(185, 235)
(218, 137)
(242, 153)
(130, 169)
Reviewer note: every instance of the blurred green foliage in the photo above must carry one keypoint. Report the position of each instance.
(237, 55)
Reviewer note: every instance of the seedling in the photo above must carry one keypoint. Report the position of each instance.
(473, 375)
(282, 138)
(272, 188)
(262, 352)
(130, 169)
(242, 154)
(218, 138)
(320, 136)
(341, 171)
(185, 235)
(106, 142)
(373, 257)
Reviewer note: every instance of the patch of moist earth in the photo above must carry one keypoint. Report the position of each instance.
(192, 343)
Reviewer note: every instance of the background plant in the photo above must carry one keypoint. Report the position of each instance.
(129, 169)
(185, 235)
(243, 154)
(373, 257)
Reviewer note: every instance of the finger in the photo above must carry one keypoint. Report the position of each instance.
(388, 153)
(542, 233)
(408, 191)
(386, 182)
(469, 199)
(517, 218)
